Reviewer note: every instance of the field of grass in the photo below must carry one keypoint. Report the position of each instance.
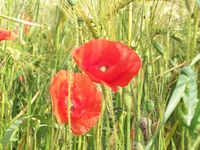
(158, 110)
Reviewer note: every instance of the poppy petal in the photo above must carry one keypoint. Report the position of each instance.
(85, 101)
(7, 35)
(55, 94)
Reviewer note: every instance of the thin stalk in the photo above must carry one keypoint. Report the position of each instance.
(189, 141)
(79, 143)
(84, 143)
(3, 104)
(91, 145)
(138, 109)
(188, 38)
(97, 142)
(121, 119)
(28, 123)
(54, 134)
(74, 142)
(76, 26)
(69, 104)
(196, 143)
(195, 30)
(128, 123)
(130, 18)
(183, 138)
(110, 103)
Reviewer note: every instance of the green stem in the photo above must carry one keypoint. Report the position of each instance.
(69, 104)
(188, 37)
(183, 138)
(76, 26)
(130, 18)
(195, 30)
(74, 142)
(97, 143)
(128, 118)
(28, 123)
(138, 111)
(79, 143)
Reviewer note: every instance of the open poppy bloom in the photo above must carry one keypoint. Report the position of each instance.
(110, 63)
(7, 35)
(85, 101)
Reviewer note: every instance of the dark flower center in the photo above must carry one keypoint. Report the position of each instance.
(72, 107)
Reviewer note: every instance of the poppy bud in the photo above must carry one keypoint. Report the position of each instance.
(149, 106)
(72, 2)
(149, 69)
(127, 100)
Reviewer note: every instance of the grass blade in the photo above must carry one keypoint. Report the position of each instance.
(10, 131)
(195, 60)
(21, 21)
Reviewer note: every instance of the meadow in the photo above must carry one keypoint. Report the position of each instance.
(158, 109)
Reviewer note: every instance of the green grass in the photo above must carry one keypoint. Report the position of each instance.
(165, 35)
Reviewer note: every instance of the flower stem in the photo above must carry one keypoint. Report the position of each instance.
(79, 142)
(128, 118)
(69, 105)
(183, 138)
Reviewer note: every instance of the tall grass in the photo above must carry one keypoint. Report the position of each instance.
(162, 111)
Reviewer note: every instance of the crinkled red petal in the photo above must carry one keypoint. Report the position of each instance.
(85, 101)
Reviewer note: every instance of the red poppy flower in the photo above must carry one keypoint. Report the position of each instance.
(110, 63)
(85, 101)
(7, 35)
(26, 26)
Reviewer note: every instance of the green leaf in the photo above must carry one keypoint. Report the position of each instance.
(10, 131)
(197, 58)
(171, 133)
(195, 120)
(160, 50)
(158, 47)
(189, 98)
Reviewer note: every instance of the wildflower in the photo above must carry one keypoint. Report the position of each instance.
(26, 26)
(110, 63)
(85, 101)
(20, 78)
(7, 35)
